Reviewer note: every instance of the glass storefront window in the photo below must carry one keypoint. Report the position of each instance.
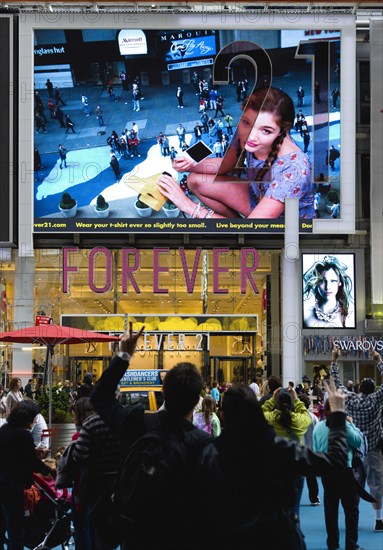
(189, 283)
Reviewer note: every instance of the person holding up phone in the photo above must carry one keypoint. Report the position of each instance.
(275, 168)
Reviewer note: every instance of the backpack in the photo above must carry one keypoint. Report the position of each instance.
(153, 473)
(336, 153)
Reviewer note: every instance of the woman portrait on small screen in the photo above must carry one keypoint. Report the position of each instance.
(327, 295)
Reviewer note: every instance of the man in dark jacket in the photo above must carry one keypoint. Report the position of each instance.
(333, 155)
(366, 409)
(115, 165)
(18, 460)
(182, 387)
(60, 116)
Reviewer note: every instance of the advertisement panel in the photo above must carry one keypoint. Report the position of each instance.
(135, 378)
(328, 291)
(159, 110)
(186, 48)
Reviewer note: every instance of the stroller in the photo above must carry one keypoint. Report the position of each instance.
(47, 519)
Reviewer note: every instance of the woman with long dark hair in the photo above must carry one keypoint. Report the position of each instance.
(273, 167)
(252, 474)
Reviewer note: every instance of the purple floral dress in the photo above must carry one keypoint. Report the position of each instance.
(289, 177)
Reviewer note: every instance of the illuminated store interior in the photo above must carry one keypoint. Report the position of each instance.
(202, 296)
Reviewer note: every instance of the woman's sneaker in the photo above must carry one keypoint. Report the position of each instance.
(379, 525)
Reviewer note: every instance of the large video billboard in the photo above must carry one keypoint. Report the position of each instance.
(267, 104)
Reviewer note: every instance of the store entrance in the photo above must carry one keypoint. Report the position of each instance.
(235, 369)
(78, 366)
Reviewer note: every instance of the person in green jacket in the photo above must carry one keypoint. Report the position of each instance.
(289, 418)
(287, 414)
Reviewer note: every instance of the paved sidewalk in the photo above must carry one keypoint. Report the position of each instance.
(313, 526)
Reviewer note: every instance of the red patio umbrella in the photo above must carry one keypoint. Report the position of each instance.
(51, 336)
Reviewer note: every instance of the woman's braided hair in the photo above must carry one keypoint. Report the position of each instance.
(278, 103)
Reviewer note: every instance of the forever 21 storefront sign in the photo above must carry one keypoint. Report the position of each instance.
(174, 342)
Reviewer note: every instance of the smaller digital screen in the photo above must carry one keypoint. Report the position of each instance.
(142, 377)
(328, 290)
(191, 48)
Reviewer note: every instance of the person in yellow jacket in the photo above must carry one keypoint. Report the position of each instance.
(287, 414)
(289, 418)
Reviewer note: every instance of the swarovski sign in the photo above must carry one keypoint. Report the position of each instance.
(359, 344)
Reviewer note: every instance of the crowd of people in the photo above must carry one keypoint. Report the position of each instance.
(123, 146)
(203, 440)
(275, 168)
(269, 161)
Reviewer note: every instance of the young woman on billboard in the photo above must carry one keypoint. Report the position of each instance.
(327, 295)
(275, 168)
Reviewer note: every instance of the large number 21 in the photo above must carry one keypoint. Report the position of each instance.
(318, 52)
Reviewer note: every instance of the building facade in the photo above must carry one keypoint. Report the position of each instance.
(227, 294)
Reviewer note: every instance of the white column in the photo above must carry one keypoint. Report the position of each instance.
(291, 297)
(23, 314)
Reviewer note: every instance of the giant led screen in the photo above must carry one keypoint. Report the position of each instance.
(143, 130)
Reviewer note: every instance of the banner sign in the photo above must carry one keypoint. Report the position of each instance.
(142, 377)
(43, 320)
(351, 346)
(189, 48)
(190, 64)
